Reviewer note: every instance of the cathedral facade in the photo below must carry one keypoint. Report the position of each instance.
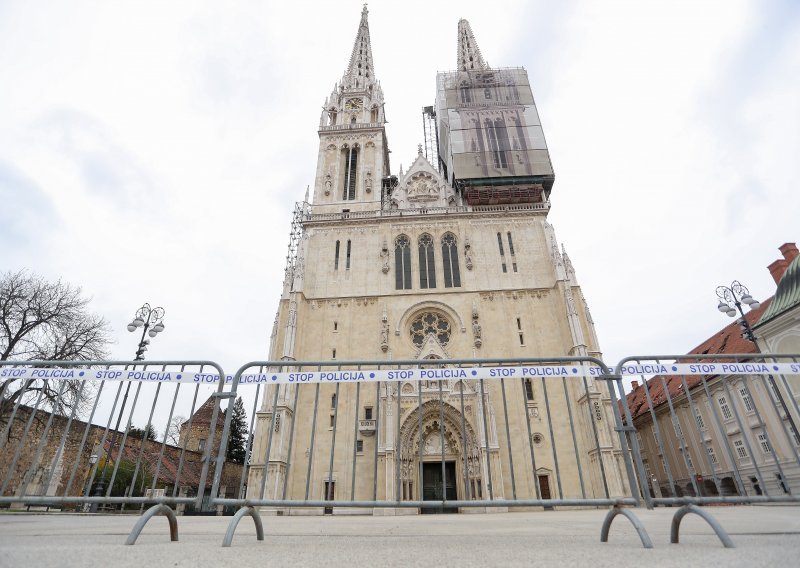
(453, 259)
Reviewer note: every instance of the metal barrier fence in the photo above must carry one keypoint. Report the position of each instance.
(490, 433)
(63, 442)
(714, 429)
(402, 436)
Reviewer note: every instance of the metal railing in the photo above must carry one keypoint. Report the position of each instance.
(412, 435)
(70, 440)
(713, 429)
(490, 433)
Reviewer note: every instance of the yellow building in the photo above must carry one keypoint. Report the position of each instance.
(732, 434)
(452, 259)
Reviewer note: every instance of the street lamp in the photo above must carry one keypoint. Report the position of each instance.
(738, 294)
(151, 322)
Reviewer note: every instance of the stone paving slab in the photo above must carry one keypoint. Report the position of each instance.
(764, 536)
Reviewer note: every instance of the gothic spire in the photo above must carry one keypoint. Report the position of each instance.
(360, 72)
(469, 54)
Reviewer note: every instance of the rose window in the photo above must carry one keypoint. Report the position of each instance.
(427, 323)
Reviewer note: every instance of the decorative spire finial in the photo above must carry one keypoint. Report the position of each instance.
(359, 72)
(419, 149)
(469, 54)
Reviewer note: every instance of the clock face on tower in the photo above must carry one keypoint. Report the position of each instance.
(353, 104)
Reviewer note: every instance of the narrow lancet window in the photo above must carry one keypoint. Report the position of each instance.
(498, 142)
(402, 263)
(427, 268)
(502, 137)
(502, 252)
(511, 250)
(452, 274)
(466, 96)
(347, 264)
(350, 167)
(336, 257)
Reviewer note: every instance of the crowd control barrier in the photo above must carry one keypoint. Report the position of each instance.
(82, 436)
(398, 437)
(414, 435)
(714, 429)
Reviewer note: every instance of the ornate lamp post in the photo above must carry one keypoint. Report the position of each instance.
(148, 319)
(738, 294)
(151, 320)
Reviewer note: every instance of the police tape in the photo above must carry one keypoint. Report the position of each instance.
(377, 375)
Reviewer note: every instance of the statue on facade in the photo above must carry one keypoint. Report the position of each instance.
(384, 331)
(385, 257)
(368, 182)
(476, 327)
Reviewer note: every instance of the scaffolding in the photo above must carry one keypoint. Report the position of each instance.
(301, 211)
(431, 132)
(388, 184)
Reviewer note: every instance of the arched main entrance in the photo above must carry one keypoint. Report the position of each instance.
(436, 461)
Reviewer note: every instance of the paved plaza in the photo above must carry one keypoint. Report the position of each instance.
(763, 535)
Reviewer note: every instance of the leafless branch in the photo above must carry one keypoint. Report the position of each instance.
(42, 320)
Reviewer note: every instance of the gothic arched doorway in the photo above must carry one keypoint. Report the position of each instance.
(437, 463)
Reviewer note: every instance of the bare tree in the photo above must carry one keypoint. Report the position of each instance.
(173, 432)
(42, 320)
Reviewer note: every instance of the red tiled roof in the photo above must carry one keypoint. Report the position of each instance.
(203, 414)
(727, 340)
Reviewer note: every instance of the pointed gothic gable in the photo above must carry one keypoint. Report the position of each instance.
(432, 349)
(422, 187)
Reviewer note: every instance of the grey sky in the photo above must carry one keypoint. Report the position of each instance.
(152, 151)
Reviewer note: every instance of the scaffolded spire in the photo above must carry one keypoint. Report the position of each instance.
(359, 72)
(469, 54)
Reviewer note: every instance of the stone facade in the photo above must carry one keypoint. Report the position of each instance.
(387, 267)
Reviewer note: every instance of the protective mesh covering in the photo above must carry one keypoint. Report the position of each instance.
(489, 129)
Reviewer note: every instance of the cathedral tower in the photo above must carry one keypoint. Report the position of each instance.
(492, 146)
(443, 261)
(353, 154)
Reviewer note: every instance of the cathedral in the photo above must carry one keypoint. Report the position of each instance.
(451, 259)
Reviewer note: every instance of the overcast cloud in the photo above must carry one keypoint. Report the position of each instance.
(153, 151)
